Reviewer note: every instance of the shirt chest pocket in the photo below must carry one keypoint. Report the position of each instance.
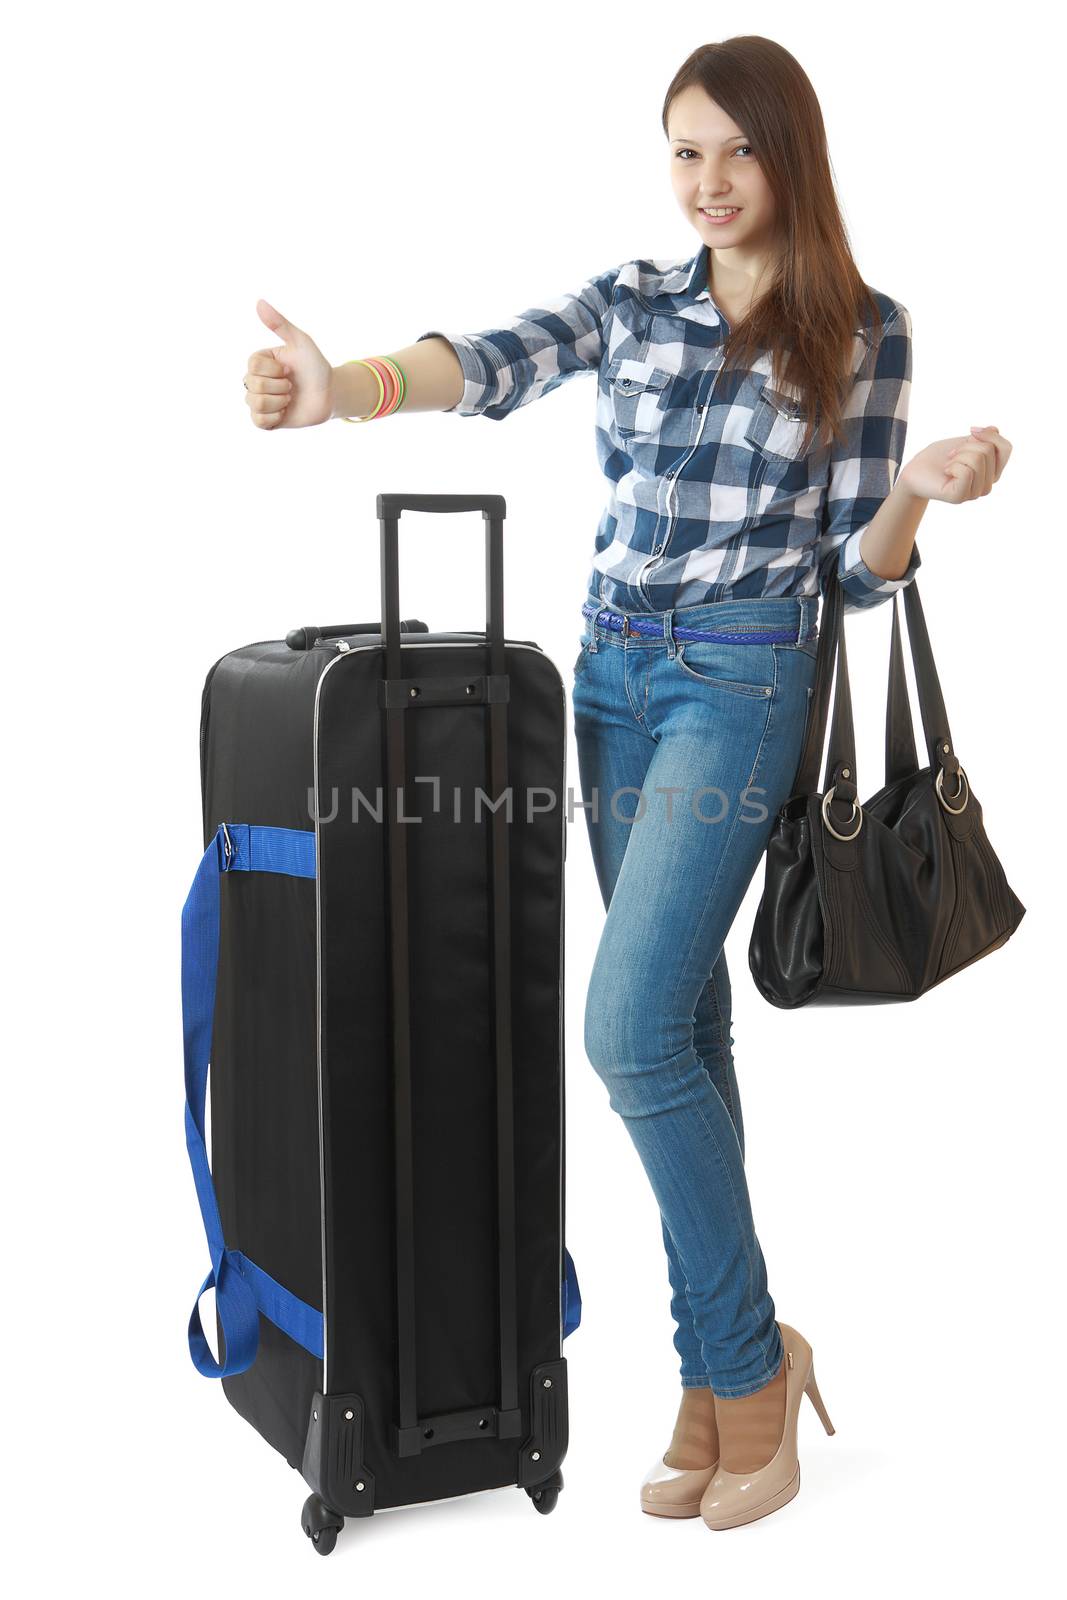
(777, 427)
(637, 396)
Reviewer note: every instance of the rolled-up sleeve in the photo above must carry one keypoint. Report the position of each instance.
(507, 367)
(864, 466)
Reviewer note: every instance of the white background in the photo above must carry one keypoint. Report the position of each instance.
(375, 174)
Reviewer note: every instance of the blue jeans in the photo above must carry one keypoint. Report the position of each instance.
(686, 750)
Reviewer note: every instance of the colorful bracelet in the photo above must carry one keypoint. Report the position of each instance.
(391, 386)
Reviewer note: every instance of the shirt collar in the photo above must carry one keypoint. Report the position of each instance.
(688, 280)
(697, 282)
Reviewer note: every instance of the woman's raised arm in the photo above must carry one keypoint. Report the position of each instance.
(491, 373)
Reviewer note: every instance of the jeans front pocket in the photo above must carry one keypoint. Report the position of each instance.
(730, 667)
(583, 656)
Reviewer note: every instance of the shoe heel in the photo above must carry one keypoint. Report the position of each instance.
(811, 1389)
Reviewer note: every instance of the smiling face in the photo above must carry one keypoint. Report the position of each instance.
(713, 167)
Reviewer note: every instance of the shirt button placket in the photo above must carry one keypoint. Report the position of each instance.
(659, 548)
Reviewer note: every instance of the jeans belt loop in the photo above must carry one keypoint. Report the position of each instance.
(668, 634)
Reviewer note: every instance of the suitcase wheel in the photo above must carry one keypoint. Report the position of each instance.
(321, 1524)
(545, 1495)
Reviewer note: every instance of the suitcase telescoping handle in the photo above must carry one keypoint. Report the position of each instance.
(493, 511)
(505, 1419)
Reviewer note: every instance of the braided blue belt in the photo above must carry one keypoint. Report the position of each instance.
(649, 627)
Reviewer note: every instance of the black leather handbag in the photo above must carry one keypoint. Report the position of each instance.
(880, 901)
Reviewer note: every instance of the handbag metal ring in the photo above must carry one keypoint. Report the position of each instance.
(963, 785)
(857, 811)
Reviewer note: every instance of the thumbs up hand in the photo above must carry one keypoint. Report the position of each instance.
(287, 386)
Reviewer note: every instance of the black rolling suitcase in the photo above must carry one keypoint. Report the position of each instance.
(372, 963)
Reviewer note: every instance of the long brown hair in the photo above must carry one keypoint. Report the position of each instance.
(816, 300)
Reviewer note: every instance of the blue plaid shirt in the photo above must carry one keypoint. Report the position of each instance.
(711, 497)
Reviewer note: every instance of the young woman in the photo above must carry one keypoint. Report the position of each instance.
(751, 416)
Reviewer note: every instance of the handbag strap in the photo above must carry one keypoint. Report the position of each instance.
(807, 781)
(931, 701)
(900, 750)
(901, 759)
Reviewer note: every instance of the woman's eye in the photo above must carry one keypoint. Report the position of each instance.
(688, 152)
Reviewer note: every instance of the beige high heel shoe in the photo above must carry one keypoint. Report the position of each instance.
(733, 1498)
(676, 1491)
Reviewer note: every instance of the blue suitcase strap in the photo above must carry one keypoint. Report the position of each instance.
(572, 1299)
(242, 1289)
